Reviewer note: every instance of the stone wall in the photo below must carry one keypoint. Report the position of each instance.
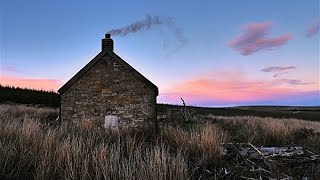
(107, 87)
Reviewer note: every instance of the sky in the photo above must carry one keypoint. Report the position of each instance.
(211, 53)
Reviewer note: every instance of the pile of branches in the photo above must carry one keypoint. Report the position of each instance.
(246, 161)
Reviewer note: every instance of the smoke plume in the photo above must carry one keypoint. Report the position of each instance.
(313, 29)
(151, 21)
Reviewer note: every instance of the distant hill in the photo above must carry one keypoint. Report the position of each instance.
(9, 94)
(298, 112)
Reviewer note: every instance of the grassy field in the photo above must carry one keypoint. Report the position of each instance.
(298, 112)
(32, 146)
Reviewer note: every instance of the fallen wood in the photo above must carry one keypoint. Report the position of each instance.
(267, 162)
(249, 150)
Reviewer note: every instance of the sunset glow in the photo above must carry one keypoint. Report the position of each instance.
(237, 90)
(41, 84)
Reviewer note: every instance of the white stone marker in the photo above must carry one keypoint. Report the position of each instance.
(111, 121)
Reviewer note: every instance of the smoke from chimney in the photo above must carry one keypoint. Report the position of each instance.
(149, 22)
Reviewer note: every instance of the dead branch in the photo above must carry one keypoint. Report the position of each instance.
(185, 114)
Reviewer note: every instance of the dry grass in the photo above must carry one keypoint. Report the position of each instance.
(265, 131)
(21, 112)
(31, 149)
(202, 141)
(81, 151)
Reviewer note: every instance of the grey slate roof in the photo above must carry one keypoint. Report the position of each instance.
(74, 79)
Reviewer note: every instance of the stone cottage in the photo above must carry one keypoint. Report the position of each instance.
(108, 85)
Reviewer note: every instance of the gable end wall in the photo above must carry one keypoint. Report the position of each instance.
(109, 86)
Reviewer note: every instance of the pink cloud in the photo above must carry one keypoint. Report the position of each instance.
(228, 90)
(254, 38)
(313, 29)
(44, 84)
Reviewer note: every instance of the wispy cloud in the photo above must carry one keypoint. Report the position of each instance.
(44, 84)
(280, 74)
(254, 38)
(291, 82)
(278, 68)
(10, 68)
(313, 29)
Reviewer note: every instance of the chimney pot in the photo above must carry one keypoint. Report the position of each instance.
(107, 43)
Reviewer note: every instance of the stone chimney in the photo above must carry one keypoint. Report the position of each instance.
(107, 43)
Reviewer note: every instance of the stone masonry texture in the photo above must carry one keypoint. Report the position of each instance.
(110, 87)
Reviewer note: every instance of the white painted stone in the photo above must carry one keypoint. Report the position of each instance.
(111, 121)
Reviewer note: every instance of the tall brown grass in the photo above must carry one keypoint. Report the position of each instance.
(201, 141)
(31, 149)
(265, 131)
(82, 150)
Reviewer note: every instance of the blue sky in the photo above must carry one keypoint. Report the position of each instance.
(47, 42)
